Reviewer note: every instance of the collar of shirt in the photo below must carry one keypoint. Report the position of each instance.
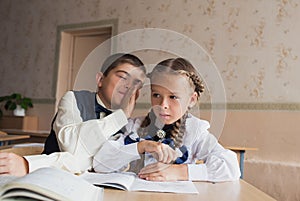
(99, 101)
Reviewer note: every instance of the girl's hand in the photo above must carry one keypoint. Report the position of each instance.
(161, 152)
(13, 164)
(164, 172)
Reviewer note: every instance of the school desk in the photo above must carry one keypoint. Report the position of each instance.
(23, 149)
(5, 139)
(240, 151)
(234, 191)
(35, 135)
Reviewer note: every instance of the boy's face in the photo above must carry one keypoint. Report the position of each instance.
(114, 86)
(171, 95)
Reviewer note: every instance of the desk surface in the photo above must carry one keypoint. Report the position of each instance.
(235, 148)
(38, 133)
(4, 138)
(234, 191)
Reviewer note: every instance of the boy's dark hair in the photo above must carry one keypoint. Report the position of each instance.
(120, 58)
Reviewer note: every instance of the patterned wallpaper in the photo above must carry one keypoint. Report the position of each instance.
(254, 44)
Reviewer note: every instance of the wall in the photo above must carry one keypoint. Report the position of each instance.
(275, 165)
(254, 45)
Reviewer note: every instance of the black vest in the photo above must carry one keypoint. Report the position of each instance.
(86, 105)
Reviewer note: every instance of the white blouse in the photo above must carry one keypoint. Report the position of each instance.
(219, 164)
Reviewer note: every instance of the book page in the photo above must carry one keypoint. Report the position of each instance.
(57, 184)
(170, 187)
(129, 181)
(4, 179)
(121, 181)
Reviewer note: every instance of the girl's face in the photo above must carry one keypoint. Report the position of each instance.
(171, 95)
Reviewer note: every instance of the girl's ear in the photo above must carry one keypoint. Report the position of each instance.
(99, 77)
(193, 99)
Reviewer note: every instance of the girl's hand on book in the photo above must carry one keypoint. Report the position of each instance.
(13, 164)
(164, 172)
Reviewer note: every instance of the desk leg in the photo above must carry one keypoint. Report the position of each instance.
(242, 155)
(4, 143)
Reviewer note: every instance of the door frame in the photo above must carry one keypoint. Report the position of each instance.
(76, 29)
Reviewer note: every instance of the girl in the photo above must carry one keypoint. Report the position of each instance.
(175, 88)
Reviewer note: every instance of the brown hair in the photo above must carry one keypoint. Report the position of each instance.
(120, 58)
(183, 67)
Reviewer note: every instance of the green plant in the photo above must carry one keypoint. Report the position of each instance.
(13, 100)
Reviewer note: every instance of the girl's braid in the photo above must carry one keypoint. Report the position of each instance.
(143, 131)
(197, 82)
(194, 81)
(178, 130)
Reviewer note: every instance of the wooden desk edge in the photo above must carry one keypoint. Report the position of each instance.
(256, 189)
(241, 148)
(38, 133)
(14, 137)
(213, 191)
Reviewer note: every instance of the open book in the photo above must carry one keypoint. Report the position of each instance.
(50, 184)
(130, 182)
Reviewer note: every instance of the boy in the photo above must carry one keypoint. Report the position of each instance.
(80, 129)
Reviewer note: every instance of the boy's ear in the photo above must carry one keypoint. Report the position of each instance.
(193, 100)
(99, 77)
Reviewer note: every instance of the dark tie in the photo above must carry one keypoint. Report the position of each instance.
(99, 108)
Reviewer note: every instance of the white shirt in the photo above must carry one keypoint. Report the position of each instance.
(220, 164)
(79, 141)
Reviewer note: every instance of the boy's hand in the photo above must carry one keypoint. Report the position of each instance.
(128, 101)
(13, 164)
(161, 152)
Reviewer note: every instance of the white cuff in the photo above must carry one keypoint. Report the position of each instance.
(61, 160)
(118, 119)
(197, 172)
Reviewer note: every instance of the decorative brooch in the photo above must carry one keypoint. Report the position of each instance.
(161, 134)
